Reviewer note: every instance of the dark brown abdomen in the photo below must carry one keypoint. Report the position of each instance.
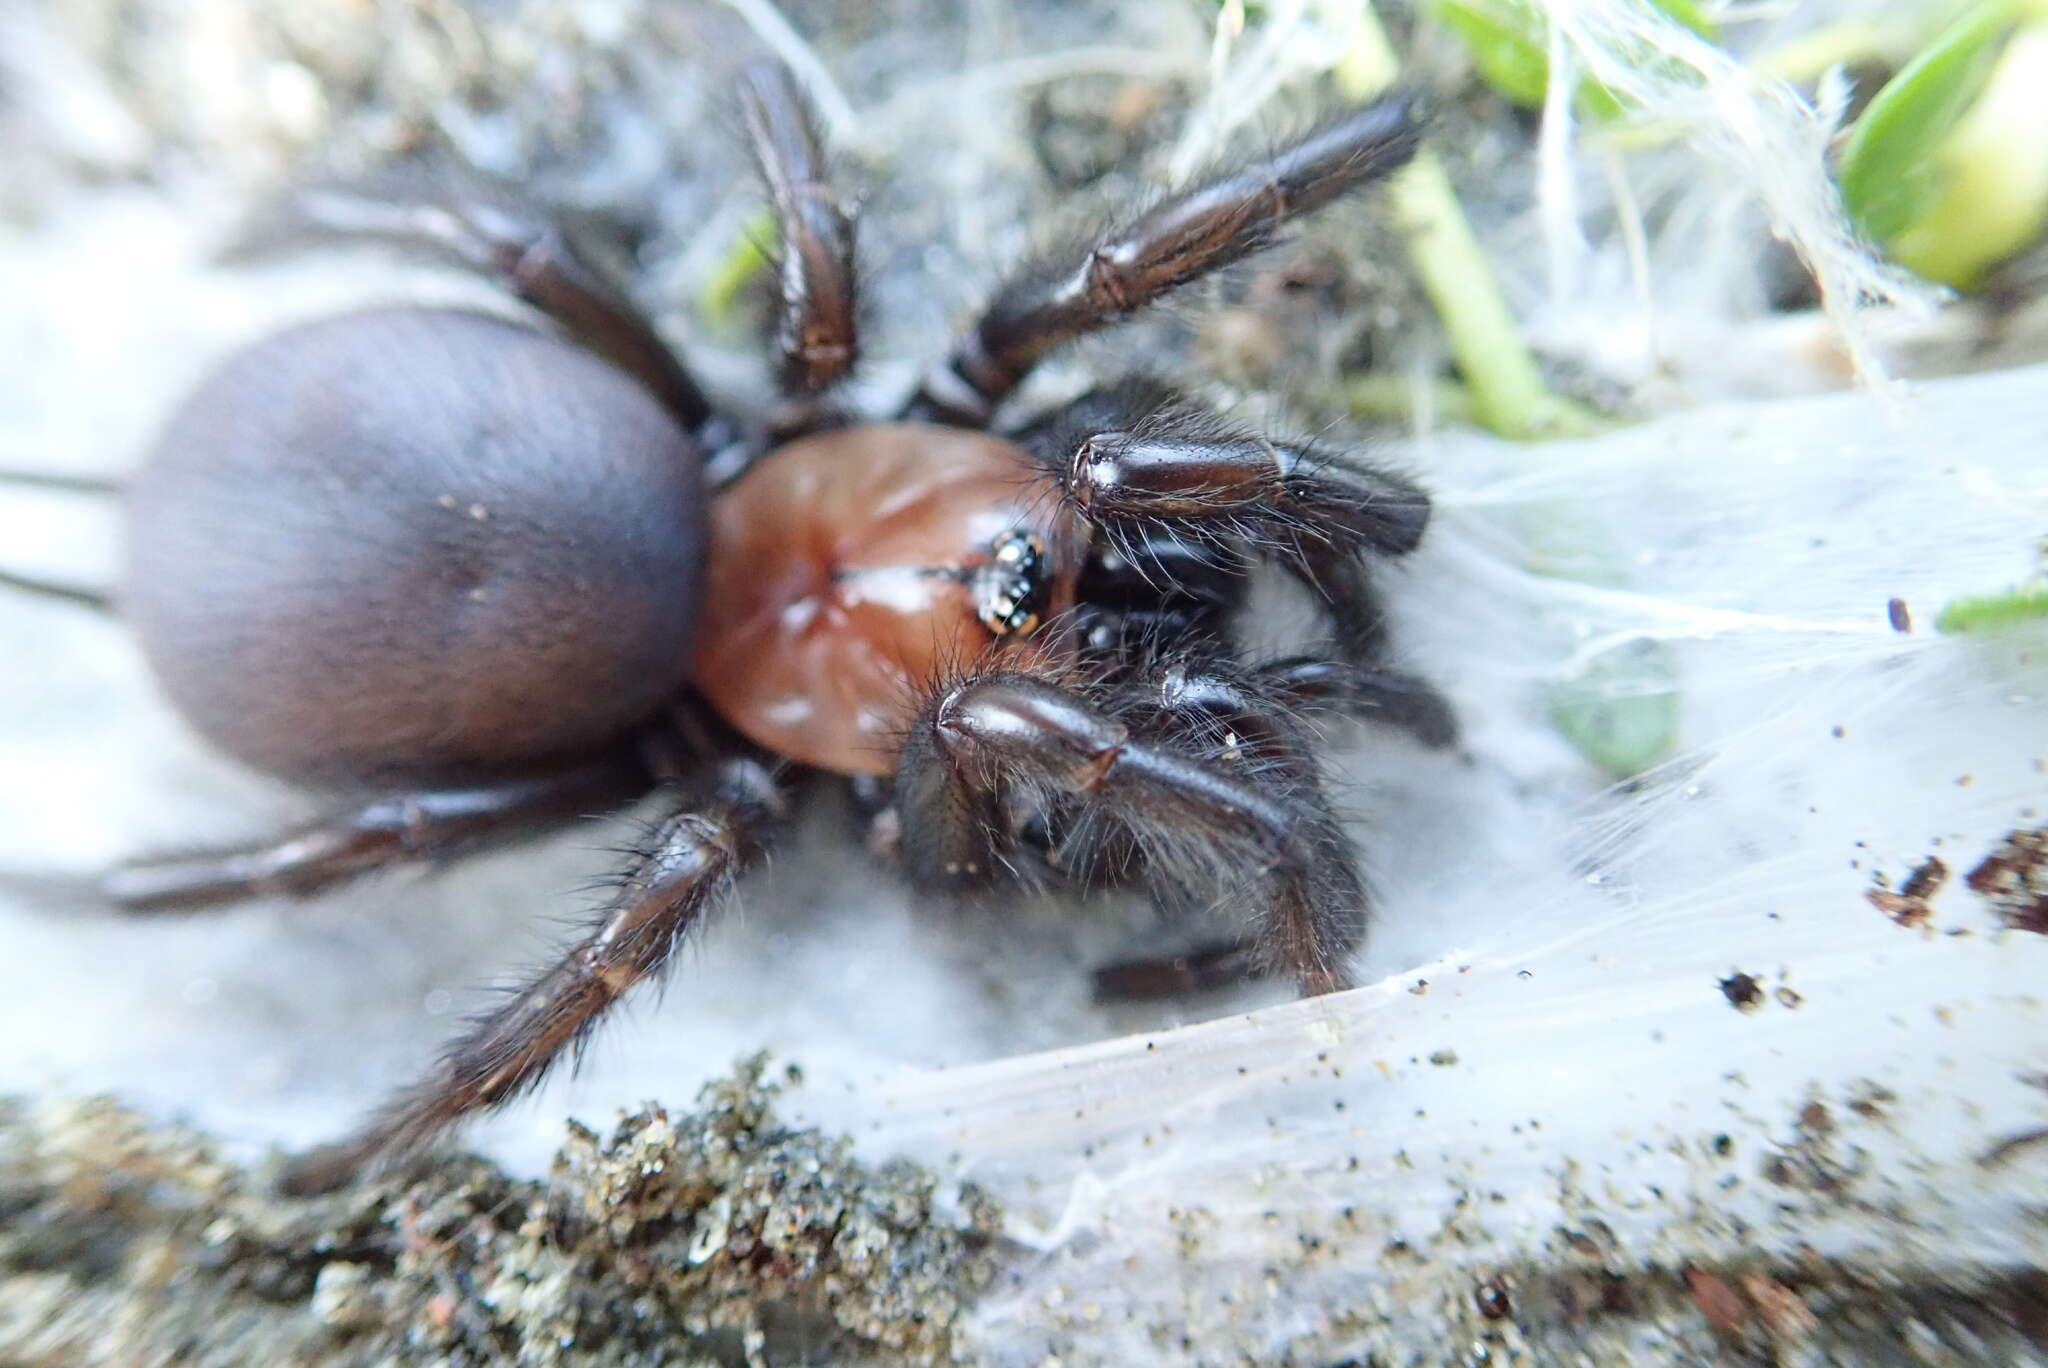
(416, 546)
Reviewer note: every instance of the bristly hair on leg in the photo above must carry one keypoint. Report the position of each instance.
(1241, 716)
(958, 830)
(688, 868)
(1211, 819)
(1148, 466)
(817, 339)
(1219, 220)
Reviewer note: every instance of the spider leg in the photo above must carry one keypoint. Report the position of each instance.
(1152, 591)
(383, 832)
(687, 867)
(59, 481)
(515, 244)
(68, 593)
(1147, 466)
(1389, 696)
(1199, 823)
(1259, 715)
(1218, 964)
(1178, 240)
(1320, 918)
(816, 331)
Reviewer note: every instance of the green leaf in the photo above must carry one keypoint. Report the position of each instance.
(1509, 41)
(1982, 614)
(1890, 173)
(1621, 711)
(1692, 16)
(1507, 46)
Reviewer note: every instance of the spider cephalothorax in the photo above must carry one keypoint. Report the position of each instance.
(472, 573)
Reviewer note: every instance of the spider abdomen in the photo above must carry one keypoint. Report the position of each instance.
(416, 546)
(851, 569)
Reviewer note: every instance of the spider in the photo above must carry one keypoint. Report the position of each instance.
(476, 577)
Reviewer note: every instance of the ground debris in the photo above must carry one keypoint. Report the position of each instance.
(702, 1238)
(2014, 876)
(1743, 991)
(1754, 1311)
(1912, 904)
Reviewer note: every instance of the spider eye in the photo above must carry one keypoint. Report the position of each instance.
(1011, 590)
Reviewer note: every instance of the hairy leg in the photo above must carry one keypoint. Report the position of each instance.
(1367, 693)
(1220, 964)
(816, 332)
(1201, 825)
(492, 232)
(61, 483)
(387, 831)
(56, 589)
(1178, 240)
(1257, 715)
(1150, 467)
(686, 867)
(1317, 920)
(1148, 592)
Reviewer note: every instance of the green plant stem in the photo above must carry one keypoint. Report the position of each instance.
(747, 258)
(1507, 390)
(1380, 395)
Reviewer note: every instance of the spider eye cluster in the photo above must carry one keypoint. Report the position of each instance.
(1012, 589)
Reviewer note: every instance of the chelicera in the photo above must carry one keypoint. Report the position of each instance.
(473, 577)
